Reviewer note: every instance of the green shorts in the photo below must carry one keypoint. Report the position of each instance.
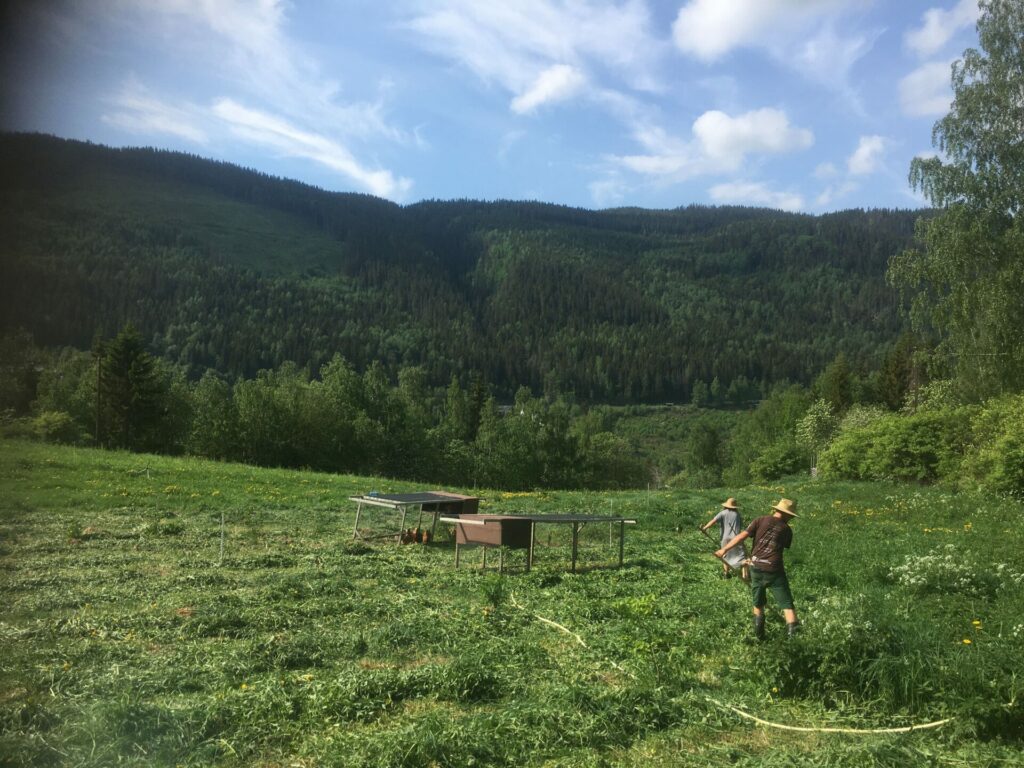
(776, 581)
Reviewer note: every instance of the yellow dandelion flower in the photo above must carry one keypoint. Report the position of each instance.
(976, 623)
(966, 641)
(244, 685)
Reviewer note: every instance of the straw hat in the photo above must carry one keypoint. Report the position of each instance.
(730, 503)
(786, 507)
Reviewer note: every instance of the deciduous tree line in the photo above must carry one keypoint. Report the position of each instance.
(120, 396)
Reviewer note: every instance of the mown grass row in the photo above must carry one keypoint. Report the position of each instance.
(130, 637)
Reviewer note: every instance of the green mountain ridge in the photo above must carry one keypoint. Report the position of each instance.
(223, 267)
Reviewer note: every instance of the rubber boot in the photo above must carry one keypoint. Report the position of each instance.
(759, 627)
(792, 630)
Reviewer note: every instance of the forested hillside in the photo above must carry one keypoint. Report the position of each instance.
(225, 268)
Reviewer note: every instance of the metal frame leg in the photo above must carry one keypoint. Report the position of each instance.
(533, 540)
(575, 544)
(622, 540)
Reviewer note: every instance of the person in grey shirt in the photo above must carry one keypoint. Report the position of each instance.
(730, 524)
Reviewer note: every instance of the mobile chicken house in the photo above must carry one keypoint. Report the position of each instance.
(396, 508)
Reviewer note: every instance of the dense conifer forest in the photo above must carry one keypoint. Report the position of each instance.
(222, 268)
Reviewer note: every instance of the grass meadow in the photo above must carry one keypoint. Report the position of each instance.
(134, 634)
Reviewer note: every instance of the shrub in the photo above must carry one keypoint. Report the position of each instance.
(922, 447)
(703, 477)
(995, 459)
(782, 458)
(861, 415)
(17, 429)
(609, 463)
(58, 427)
(935, 396)
(816, 428)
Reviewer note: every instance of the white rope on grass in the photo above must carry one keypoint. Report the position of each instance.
(577, 638)
(810, 729)
(556, 625)
(740, 712)
(549, 622)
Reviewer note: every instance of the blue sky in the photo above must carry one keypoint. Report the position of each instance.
(805, 105)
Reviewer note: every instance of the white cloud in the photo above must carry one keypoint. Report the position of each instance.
(755, 193)
(938, 27)
(728, 140)
(275, 132)
(557, 83)
(667, 155)
(927, 92)
(244, 41)
(252, 25)
(828, 57)
(515, 44)
(709, 29)
(138, 111)
(681, 164)
(247, 45)
(798, 34)
(246, 55)
(867, 158)
(719, 143)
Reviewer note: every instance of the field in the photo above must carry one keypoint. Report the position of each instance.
(134, 634)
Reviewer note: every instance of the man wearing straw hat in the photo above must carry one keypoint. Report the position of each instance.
(730, 524)
(772, 535)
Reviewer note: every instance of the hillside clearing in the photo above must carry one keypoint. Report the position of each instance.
(131, 639)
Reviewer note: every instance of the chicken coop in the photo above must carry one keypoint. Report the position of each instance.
(387, 515)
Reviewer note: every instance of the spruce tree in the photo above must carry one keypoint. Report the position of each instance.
(132, 393)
